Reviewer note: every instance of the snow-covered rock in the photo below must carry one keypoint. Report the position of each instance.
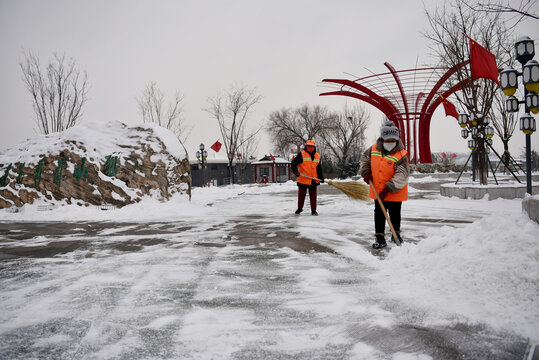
(95, 163)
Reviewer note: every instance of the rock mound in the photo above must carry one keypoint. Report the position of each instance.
(98, 164)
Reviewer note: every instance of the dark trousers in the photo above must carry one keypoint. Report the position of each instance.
(312, 197)
(394, 210)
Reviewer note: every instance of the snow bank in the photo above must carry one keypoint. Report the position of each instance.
(150, 208)
(99, 138)
(172, 145)
(149, 157)
(428, 179)
(487, 271)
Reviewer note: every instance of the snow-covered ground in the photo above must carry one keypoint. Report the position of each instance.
(234, 275)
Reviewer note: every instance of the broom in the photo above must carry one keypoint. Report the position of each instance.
(360, 191)
(397, 241)
(353, 189)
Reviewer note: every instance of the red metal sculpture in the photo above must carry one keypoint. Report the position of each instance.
(415, 89)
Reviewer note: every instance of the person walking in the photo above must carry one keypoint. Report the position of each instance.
(386, 164)
(307, 162)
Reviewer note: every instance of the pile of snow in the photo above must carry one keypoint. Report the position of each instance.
(148, 209)
(100, 139)
(151, 161)
(172, 145)
(428, 179)
(487, 272)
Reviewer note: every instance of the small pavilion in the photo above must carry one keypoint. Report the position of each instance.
(274, 170)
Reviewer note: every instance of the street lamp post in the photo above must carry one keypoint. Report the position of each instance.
(524, 53)
(472, 145)
(479, 128)
(201, 157)
(527, 125)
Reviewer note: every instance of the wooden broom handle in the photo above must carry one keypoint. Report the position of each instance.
(397, 241)
(309, 177)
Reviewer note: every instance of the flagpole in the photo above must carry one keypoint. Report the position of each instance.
(463, 33)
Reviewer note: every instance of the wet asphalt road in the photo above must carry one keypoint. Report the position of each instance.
(239, 288)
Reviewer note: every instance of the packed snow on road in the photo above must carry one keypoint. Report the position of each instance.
(234, 274)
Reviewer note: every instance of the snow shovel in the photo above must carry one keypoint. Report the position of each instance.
(397, 241)
(353, 188)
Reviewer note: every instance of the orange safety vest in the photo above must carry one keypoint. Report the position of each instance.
(383, 169)
(308, 167)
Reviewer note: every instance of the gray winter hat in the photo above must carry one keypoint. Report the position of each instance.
(389, 131)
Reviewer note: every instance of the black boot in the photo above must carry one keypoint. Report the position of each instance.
(314, 213)
(398, 237)
(380, 242)
(298, 211)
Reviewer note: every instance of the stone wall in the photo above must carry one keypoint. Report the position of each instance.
(68, 171)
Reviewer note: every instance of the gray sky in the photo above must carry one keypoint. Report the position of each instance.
(283, 48)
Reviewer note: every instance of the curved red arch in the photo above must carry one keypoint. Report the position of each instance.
(421, 126)
(382, 107)
(404, 137)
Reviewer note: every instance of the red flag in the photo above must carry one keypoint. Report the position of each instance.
(272, 158)
(216, 147)
(483, 62)
(450, 109)
(453, 155)
(444, 155)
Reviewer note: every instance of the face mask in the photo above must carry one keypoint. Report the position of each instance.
(389, 146)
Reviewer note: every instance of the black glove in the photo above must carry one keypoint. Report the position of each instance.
(322, 180)
(367, 177)
(383, 193)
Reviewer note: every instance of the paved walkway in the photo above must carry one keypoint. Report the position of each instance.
(248, 285)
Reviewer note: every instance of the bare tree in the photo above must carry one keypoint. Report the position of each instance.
(232, 113)
(292, 127)
(246, 152)
(152, 109)
(521, 11)
(58, 91)
(345, 139)
(450, 46)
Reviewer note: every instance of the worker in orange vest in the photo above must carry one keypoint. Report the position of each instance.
(386, 165)
(307, 162)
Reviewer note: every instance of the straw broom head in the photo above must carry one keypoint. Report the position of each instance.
(353, 189)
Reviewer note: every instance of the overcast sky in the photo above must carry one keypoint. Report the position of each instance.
(283, 48)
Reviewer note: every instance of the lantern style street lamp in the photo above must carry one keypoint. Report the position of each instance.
(481, 133)
(527, 124)
(524, 49)
(202, 155)
(511, 104)
(532, 102)
(489, 132)
(478, 127)
(508, 81)
(463, 120)
(530, 76)
(524, 53)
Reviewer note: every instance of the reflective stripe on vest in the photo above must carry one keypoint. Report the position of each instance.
(383, 169)
(308, 167)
